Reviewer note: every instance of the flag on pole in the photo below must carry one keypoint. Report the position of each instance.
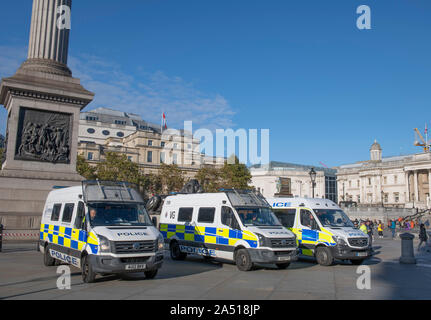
(164, 122)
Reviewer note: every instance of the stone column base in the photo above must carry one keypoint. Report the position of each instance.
(22, 198)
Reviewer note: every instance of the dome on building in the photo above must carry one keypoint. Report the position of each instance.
(376, 146)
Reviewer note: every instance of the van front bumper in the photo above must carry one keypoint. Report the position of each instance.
(348, 253)
(112, 265)
(273, 257)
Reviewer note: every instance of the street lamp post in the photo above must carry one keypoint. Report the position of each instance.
(313, 175)
(344, 192)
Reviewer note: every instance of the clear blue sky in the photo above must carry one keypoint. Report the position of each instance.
(325, 89)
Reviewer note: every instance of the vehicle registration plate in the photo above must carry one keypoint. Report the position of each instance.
(136, 266)
(361, 254)
(285, 258)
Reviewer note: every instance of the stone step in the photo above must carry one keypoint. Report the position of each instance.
(21, 206)
(22, 194)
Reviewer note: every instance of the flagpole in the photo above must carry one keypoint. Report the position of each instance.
(426, 138)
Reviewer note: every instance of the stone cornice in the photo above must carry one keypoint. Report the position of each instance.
(46, 96)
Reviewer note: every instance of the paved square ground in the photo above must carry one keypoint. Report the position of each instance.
(23, 276)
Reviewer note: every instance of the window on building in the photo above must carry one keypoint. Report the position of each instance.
(150, 142)
(129, 158)
(106, 132)
(90, 156)
(162, 144)
(350, 184)
(175, 158)
(175, 146)
(150, 156)
(120, 134)
(162, 157)
(396, 197)
(385, 180)
(91, 131)
(395, 179)
(120, 122)
(369, 181)
(386, 197)
(91, 118)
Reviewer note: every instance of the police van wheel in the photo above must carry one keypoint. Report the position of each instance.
(243, 260)
(357, 262)
(283, 266)
(176, 253)
(324, 256)
(47, 259)
(151, 274)
(88, 275)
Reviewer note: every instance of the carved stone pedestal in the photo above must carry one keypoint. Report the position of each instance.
(41, 142)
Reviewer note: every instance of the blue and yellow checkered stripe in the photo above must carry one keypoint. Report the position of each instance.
(210, 235)
(312, 237)
(68, 237)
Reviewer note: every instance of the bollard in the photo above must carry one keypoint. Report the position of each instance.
(1, 237)
(407, 251)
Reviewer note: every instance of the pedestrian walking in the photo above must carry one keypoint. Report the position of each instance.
(363, 227)
(380, 229)
(370, 232)
(407, 225)
(393, 228)
(423, 237)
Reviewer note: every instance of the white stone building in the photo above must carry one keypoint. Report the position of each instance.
(401, 181)
(104, 130)
(295, 179)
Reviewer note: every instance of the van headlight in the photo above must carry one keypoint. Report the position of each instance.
(160, 243)
(104, 244)
(262, 240)
(340, 241)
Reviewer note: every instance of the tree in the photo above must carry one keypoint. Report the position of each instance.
(210, 179)
(171, 178)
(85, 169)
(117, 167)
(235, 175)
(151, 184)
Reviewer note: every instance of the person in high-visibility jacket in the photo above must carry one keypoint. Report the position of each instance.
(363, 227)
(380, 229)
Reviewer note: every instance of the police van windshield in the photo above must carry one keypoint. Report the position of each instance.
(333, 218)
(118, 214)
(257, 216)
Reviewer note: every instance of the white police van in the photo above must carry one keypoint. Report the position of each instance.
(102, 228)
(231, 225)
(323, 230)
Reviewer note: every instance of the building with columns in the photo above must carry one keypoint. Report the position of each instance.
(400, 181)
(105, 130)
(293, 180)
